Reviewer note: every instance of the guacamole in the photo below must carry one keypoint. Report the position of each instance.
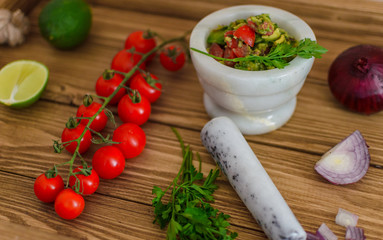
(256, 35)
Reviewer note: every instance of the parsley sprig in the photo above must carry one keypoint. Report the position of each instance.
(280, 55)
(188, 213)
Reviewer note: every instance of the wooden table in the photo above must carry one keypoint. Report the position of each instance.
(121, 208)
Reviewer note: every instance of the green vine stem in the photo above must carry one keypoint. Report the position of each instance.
(106, 101)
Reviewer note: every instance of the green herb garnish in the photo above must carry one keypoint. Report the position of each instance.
(280, 55)
(188, 213)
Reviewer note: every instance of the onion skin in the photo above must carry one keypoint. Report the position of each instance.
(356, 79)
(354, 233)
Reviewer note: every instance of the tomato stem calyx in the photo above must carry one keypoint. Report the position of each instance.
(51, 173)
(108, 74)
(72, 123)
(87, 100)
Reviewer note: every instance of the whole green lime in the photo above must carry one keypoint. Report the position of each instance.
(65, 23)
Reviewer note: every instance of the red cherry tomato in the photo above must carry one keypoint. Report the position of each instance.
(131, 138)
(99, 122)
(147, 86)
(172, 58)
(142, 42)
(134, 109)
(108, 162)
(47, 189)
(246, 34)
(107, 83)
(88, 183)
(69, 204)
(69, 134)
(124, 61)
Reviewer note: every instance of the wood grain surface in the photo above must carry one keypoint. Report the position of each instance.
(121, 208)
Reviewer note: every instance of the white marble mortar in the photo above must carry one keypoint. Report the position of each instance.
(257, 101)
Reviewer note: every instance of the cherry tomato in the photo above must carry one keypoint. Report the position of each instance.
(147, 86)
(246, 34)
(108, 162)
(69, 204)
(107, 83)
(131, 138)
(124, 61)
(134, 108)
(46, 189)
(69, 134)
(142, 42)
(99, 122)
(88, 183)
(172, 58)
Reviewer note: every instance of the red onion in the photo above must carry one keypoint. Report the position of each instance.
(355, 233)
(346, 218)
(347, 162)
(312, 236)
(325, 233)
(356, 78)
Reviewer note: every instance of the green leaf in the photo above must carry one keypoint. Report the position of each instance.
(200, 190)
(196, 216)
(197, 176)
(158, 192)
(160, 218)
(166, 213)
(173, 229)
(308, 48)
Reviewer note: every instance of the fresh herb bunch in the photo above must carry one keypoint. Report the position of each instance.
(188, 213)
(280, 55)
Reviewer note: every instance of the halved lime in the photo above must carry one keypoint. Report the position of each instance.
(22, 82)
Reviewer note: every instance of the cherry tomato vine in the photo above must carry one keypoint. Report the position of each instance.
(128, 139)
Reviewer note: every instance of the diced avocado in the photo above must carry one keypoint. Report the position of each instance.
(276, 34)
(217, 36)
(262, 47)
(280, 40)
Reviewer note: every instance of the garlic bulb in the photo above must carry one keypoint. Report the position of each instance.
(13, 27)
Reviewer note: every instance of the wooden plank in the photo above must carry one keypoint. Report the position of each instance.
(197, 9)
(12, 231)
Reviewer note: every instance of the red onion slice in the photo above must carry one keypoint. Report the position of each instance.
(325, 233)
(347, 162)
(312, 236)
(355, 233)
(346, 218)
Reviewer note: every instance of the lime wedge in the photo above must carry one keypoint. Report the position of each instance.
(22, 82)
